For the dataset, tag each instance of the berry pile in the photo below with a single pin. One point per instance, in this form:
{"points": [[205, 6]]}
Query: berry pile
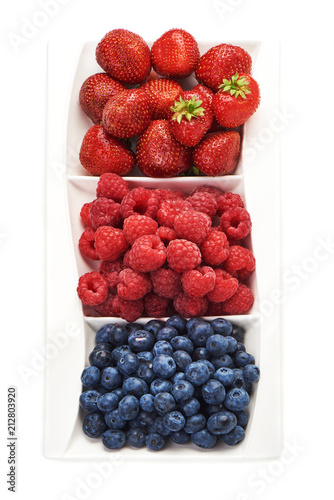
{"points": [[163, 252], [139, 95], [184, 380]]}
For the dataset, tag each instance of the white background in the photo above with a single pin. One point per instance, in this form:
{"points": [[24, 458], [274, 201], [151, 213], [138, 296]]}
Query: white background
{"points": [[303, 28]]}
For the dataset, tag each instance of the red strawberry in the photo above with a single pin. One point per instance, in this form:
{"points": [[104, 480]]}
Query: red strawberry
{"points": [[127, 113], [236, 101], [222, 61], [209, 93], [217, 153], [101, 153], [159, 154], [162, 93], [175, 54], [94, 93], [124, 55], [190, 117]]}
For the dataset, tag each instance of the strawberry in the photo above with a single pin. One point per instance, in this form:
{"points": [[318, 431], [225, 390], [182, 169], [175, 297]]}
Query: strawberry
{"points": [[222, 61], [236, 101], [159, 154], [175, 54], [125, 56], [209, 93], [127, 114], [162, 93], [101, 153], [190, 117], [217, 153], [94, 93]]}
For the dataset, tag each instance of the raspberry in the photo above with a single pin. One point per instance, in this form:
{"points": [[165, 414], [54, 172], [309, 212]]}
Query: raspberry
{"points": [[136, 201], [240, 262], [110, 242], [236, 223], [215, 248], [92, 288], [228, 200], [169, 209], [203, 202], [133, 285], [183, 255], [224, 288], [166, 282], [198, 282], [130, 310], [189, 307], [240, 302], [112, 186], [126, 259], [104, 212], [155, 306], [148, 253], [166, 234], [84, 214], [86, 244], [110, 271], [193, 226], [106, 308], [207, 189], [138, 225], [215, 309]]}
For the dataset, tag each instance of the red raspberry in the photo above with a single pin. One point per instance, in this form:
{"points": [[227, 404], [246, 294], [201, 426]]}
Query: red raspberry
{"points": [[86, 244], [133, 285], [240, 302], [84, 214], [193, 226], [110, 242], [166, 282], [189, 307], [106, 308], [130, 310], [203, 202], [126, 259], [166, 234], [207, 189], [138, 225], [215, 248], [148, 253], [112, 186], [169, 209], [236, 223], [240, 262], [110, 271], [224, 288], [183, 255], [155, 306], [228, 200], [92, 288], [215, 309], [198, 282], [104, 212], [137, 201]]}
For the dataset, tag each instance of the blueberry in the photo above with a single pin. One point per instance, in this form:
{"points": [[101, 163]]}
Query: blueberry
{"points": [[145, 357], [212, 409], [154, 325], [90, 377], [164, 402], [128, 363], [164, 366], [195, 423], [232, 344], [182, 344], [167, 333], [135, 386], [160, 385], [178, 377], [222, 422], [162, 347], [160, 427], [208, 363], [107, 402], [94, 425], [251, 359], [118, 335], [146, 419], [119, 392], [182, 360], [103, 346], [204, 439], [155, 441], [180, 437], [132, 327], [102, 335], [174, 420], [88, 400], [241, 359], [235, 436], [146, 402], [239, 381], [136, 437], [238, 333], [240, 347], [182, 391], [177, 322], [217, 345], [111, 378], [100, 358], [145, 372], [224, 360], [226, 376], [201, 353], [119, 351], [190, 407], [251, 373], [222, 326], [236, 399], [128, 407], [114, 420], [213, 392], [113, 440], [242, 418], [199, 332], [141, 340], [197, 373]]}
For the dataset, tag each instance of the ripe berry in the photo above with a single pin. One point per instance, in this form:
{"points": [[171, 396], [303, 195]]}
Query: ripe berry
{"points": [[92, 288], [148, 253], [183, 255]]}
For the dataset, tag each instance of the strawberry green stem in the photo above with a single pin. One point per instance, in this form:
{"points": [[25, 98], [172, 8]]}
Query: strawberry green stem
{"points": [[235, 86], [188, 109]]}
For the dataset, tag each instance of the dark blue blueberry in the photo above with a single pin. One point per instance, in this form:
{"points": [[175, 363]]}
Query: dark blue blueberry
{"points": [[201, 353], [119, 351], [160, 385], [208, 363], [242, 418], [241, 359], [111, 378], [103, 346], [167, 333], [164, 366], [146, 402], [226, 376], [213, 392], [141, 340], [113, 440], [107, 402], [212, 409], [190, 407], [118, 335], [182, 360], [114, 420], [160, 427], [128, 407], [224, 360], [128, 363], [145, 357], [251, 359], [232, 344], [146, 419], [177, 322], [197, 373], [174, 420], [145, 372], [135, 386], [239, 381], [180, 437], [162, 347], [204, 439], [94, 425], [136, 437], [238, 333], [155, 441], [101, 389], [180, 343], [132, 327], [183, 391], [100, 358], [154, 325], [164, 402], [251, 373], [217, 345], [88, 400], [177, 377], [102, 335], [90, 377], [222, 326], [240, 347], [236, 399], [199, 332], [119, 392], [222, 422], [235, 436], [195, 423]]}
